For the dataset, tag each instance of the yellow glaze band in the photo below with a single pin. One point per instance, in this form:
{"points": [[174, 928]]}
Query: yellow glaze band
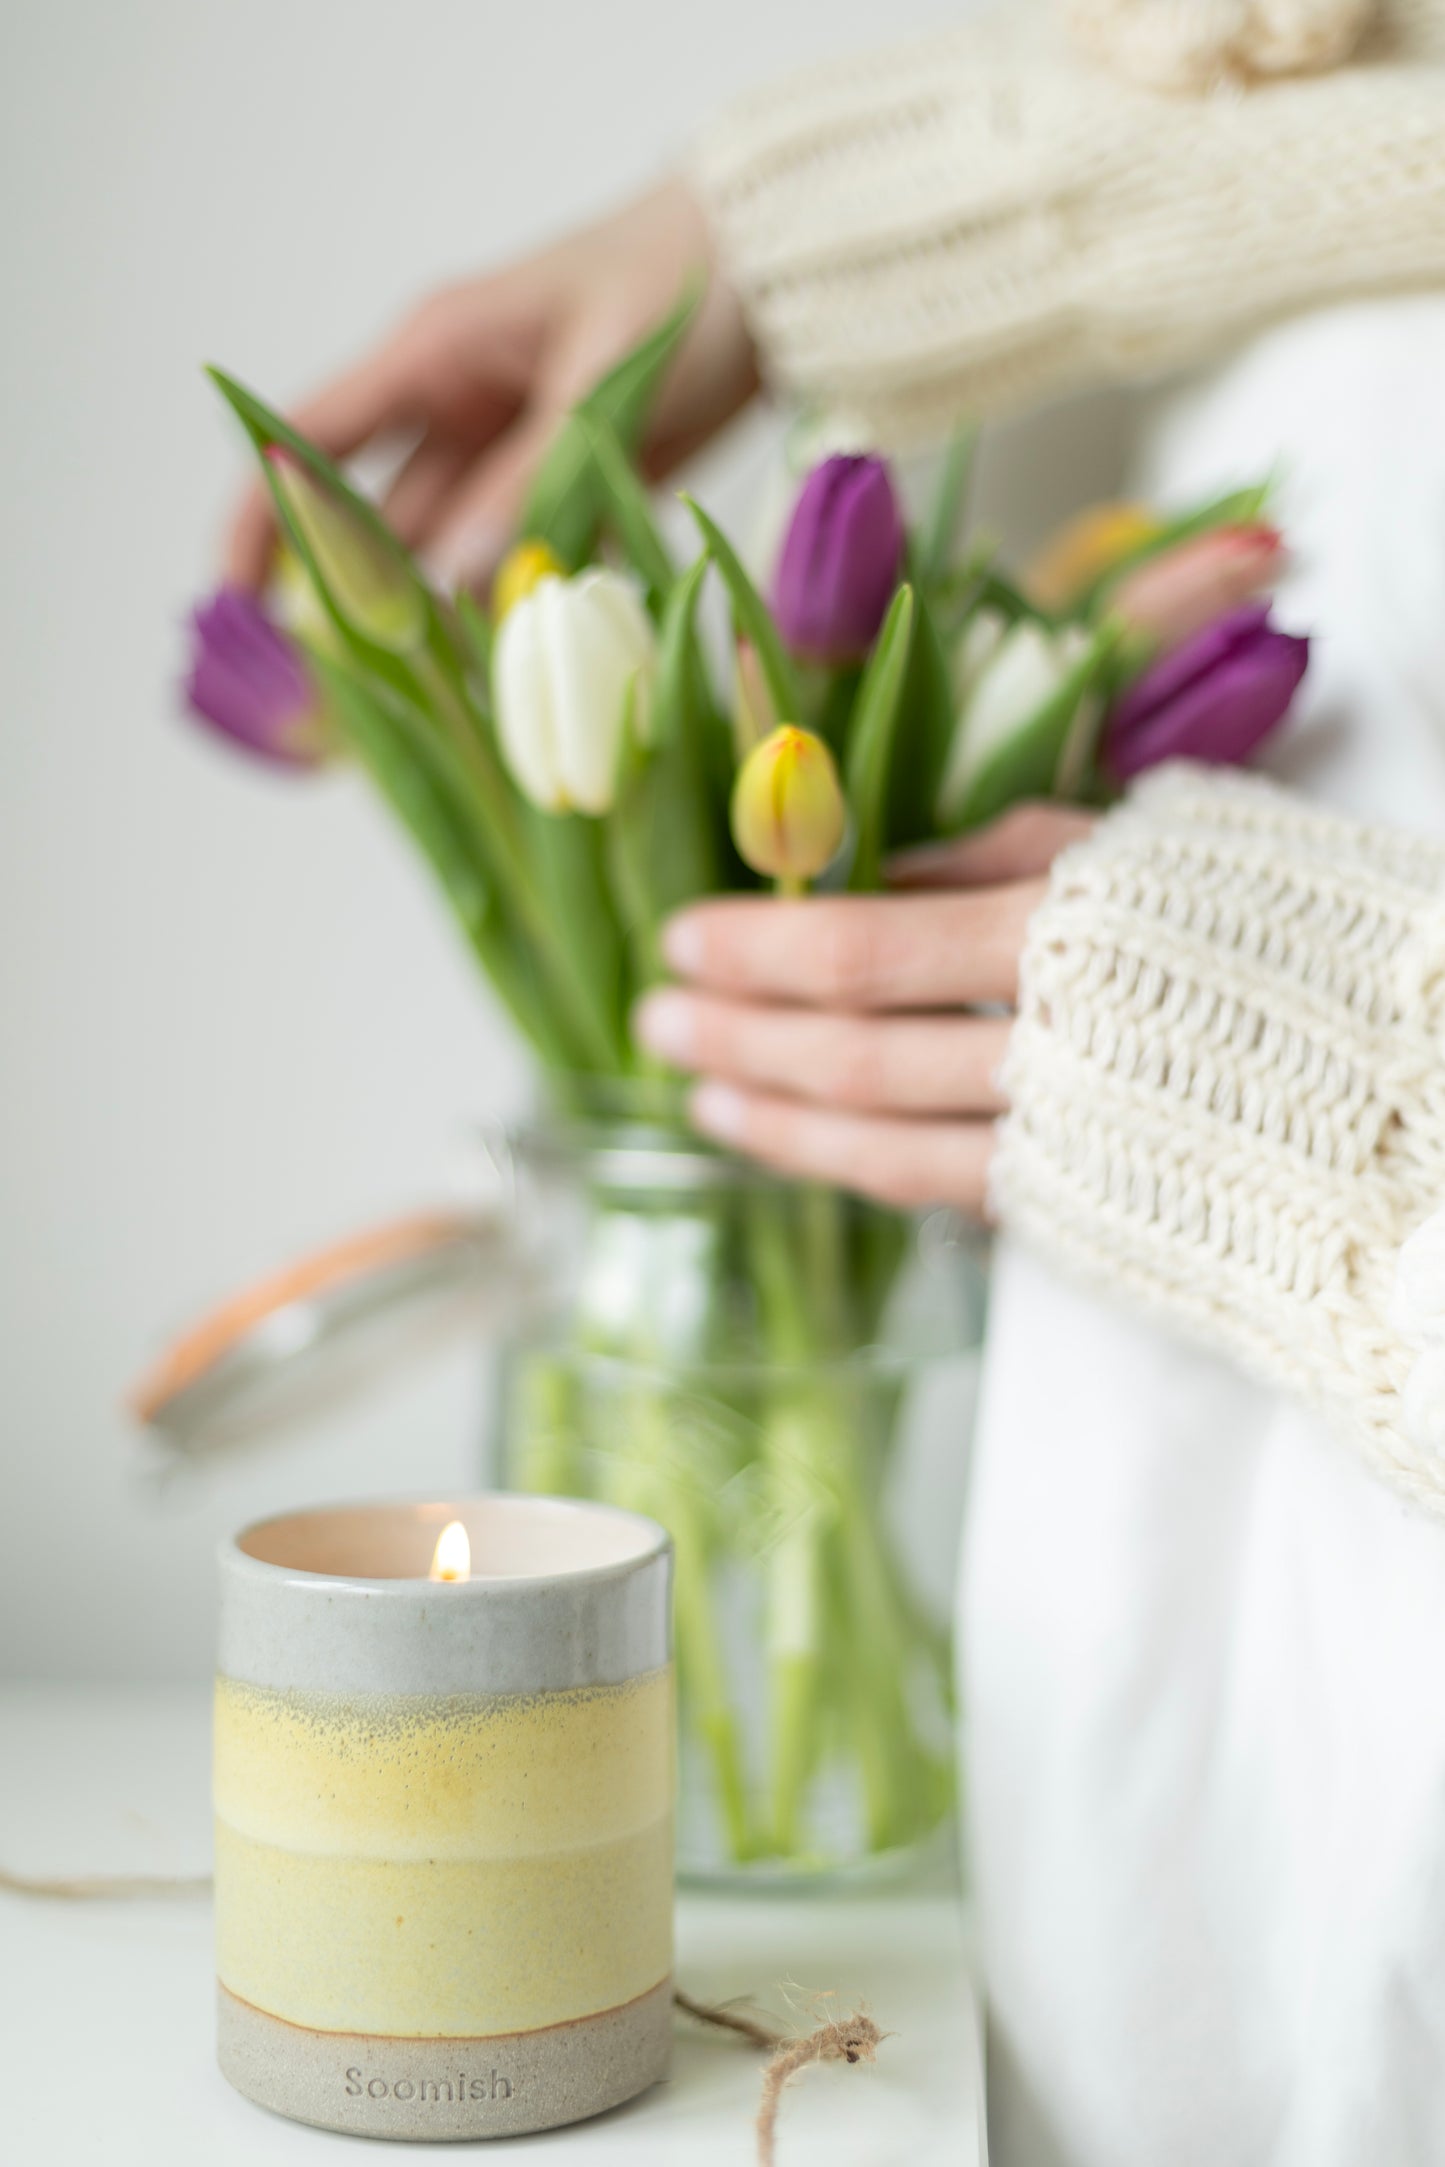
{"points": [[485, 1776], [448, 1867], [446, 1950]]}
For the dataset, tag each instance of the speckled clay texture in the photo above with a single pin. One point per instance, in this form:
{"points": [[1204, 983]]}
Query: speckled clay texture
{"points": [[445, 1819]]}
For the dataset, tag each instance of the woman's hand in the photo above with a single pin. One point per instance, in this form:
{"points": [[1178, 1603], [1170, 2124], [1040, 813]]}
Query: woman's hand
{"points": [[838, 1037], [481, 374]]}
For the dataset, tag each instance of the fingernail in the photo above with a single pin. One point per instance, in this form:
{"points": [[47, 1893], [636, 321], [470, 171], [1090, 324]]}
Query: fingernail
{"points": [[718, 1111], [682, 943], [663, 1022]]}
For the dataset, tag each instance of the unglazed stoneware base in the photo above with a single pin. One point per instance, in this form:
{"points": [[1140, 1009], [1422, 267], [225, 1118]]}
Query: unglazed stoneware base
{"points": [[443, 2090]]}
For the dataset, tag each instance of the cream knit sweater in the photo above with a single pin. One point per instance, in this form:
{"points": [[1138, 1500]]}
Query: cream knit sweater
{"points": [[1227, 1096], [1053, 198]]}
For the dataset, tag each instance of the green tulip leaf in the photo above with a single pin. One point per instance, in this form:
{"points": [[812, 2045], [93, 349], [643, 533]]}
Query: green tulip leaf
{"points": [[979, 584], [567, 855], [626, 509], [923, 736], [422, 795], [453, 738], [679, 656], [662, 831], [871, 741], [564, 504], [266, 428], [476, 627], [687, 708], [752, 620]]}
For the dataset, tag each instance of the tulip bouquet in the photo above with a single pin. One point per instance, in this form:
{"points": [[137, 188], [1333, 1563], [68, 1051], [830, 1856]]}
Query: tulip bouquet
{"points": [[574, 764]]}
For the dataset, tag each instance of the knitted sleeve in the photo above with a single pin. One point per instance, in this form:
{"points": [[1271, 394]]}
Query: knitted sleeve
{"points": [[1227, 1094], [1029, 206]]}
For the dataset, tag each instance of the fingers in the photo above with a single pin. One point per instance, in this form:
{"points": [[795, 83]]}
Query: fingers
{"points": [[899, 1162], [380, 393], [915, 1065], [858, 952], [1021, 845], [483, 514], [413, 504], [249, 540]]}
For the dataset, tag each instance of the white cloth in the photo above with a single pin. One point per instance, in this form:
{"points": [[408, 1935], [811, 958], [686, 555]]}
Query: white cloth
{"points": [[1204, 1730]]}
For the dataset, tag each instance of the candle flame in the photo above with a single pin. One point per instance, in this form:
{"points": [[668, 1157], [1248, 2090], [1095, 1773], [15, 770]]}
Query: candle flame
{"points": [[452, 1558]]}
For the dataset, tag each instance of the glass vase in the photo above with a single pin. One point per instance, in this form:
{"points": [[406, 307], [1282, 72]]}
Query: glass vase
{"points": [[784, 1376]]}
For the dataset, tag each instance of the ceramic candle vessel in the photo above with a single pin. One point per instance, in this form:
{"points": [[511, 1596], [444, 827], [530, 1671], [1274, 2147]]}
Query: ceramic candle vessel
{"points": [[444, 1816]]}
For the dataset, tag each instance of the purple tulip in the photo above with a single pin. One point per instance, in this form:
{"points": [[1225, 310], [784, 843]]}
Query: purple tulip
{"points": [[1213, 699], [840, 561], [250, 682]]}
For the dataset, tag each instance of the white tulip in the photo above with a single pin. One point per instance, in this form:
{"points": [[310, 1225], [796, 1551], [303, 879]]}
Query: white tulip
{"points": [[1003, 677], [571, 660]]}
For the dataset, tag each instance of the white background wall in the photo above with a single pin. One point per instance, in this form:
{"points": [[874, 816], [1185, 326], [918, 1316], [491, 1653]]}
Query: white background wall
{"points": [[234, 1022]]}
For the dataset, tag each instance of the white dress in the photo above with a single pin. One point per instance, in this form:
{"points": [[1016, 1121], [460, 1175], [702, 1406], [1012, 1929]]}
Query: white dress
{"points": [[1203, 1651]]}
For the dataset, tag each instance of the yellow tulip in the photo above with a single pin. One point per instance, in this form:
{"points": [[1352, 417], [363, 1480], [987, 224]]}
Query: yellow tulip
{"points": [[788, 809], [1085, 549], [524, 567]]}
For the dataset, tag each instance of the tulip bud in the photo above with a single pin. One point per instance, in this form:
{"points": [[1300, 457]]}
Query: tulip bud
{"points": [[788, 811], [248, 681], [1006, 675], [1168, 598], [1079, 555], [294, 604], [1213, 698], [840, 561], [574, 660], [524, 567], [371, 588]]}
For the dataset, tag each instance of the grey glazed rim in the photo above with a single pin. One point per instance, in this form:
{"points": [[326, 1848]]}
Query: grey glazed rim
{"points": [[234, 1560], [284, 1627]]}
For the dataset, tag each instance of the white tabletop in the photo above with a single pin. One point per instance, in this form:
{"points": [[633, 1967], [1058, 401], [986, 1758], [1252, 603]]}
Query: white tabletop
{"points": [[106, 2053]]}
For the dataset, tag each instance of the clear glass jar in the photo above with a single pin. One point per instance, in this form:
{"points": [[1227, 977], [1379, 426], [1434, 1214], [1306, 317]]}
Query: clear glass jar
{"points": [[785, 1377]]}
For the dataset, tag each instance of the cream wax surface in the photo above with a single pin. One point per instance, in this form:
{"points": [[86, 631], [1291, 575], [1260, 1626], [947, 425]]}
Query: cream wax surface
{"points": [[443, 1866]]}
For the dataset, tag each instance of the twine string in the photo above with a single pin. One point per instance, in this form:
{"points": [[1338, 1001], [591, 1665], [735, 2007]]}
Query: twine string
{"points": [[849, 2039]]}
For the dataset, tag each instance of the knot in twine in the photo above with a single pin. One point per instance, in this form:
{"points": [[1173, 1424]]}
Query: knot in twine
{"points": [[851, 2039], [1197, 45]]}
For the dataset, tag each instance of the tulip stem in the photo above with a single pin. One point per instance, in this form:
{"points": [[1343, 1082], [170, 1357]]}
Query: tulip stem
{"points": [[600, 1049], [645, 1478]]}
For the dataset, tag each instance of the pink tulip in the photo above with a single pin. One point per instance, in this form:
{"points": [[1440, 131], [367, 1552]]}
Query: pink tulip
{"points": [[1168, 598]]}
